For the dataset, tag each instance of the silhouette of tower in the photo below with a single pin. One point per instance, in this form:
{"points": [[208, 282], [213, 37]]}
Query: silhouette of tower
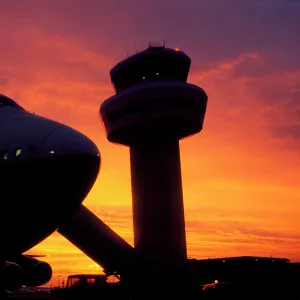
{"points": [[154, 107]]}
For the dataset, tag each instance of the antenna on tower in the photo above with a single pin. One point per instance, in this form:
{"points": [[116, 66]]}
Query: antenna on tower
{"points": [[156, 44], [127, 53]]}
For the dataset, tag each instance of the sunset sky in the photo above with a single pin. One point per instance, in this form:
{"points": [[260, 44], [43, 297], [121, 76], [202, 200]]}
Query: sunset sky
{"points": [[241, 174]]}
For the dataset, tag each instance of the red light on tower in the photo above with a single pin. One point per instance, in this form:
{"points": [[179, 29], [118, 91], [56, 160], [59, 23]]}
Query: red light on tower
{"points": [[176, 49]]}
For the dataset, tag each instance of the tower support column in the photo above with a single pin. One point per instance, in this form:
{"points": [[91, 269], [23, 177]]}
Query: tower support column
{"points": [[158, 213]]}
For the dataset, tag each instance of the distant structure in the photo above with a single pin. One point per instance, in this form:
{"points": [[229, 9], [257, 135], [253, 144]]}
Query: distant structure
{"points": [[154, 107]]}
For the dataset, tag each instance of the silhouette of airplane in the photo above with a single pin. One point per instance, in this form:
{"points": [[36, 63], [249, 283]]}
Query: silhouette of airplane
{"points": [[46, 170]]}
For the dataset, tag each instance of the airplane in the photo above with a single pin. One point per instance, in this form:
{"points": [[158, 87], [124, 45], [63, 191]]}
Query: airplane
{"points": [[46, 171]]}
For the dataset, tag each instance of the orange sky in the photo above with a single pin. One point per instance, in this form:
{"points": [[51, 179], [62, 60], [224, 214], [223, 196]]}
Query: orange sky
{"points": [[240, 174]]}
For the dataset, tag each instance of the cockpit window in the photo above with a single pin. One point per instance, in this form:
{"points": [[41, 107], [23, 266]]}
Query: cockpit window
{"points": [[3, 155], [5, 101], [18, 152]]}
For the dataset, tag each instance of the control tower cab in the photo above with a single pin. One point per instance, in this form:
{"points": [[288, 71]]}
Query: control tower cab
{"points": [[154, 63], [151, 89], [154, 107]]}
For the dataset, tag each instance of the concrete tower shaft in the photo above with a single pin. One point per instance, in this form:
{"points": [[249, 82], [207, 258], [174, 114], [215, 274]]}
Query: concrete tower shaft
{"points": [[152, 110]]}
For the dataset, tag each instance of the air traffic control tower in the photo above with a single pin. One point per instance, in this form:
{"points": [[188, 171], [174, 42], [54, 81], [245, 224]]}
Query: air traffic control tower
{"points": [[154, 107]]}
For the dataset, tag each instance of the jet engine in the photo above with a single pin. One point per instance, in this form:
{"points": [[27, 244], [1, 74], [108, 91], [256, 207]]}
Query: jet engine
{"points": [[36, 272], [11, 277]]}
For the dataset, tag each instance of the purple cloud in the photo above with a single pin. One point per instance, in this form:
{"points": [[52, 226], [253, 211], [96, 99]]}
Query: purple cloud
{"points": [[208, 31]]}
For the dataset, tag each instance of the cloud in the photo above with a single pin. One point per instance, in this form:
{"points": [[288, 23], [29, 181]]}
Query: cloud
{"points": [[285, 131], [76, 51], [265, 105], [53, 76], [279, 103], [235, 234], [198, 27]]}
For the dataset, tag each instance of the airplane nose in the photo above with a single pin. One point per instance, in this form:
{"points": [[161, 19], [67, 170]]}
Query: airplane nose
{"points": [[51, 187], [67, 141], [75, 161]]}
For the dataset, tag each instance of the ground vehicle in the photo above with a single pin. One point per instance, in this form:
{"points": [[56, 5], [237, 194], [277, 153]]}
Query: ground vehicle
{"points": [[91, 286]]}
